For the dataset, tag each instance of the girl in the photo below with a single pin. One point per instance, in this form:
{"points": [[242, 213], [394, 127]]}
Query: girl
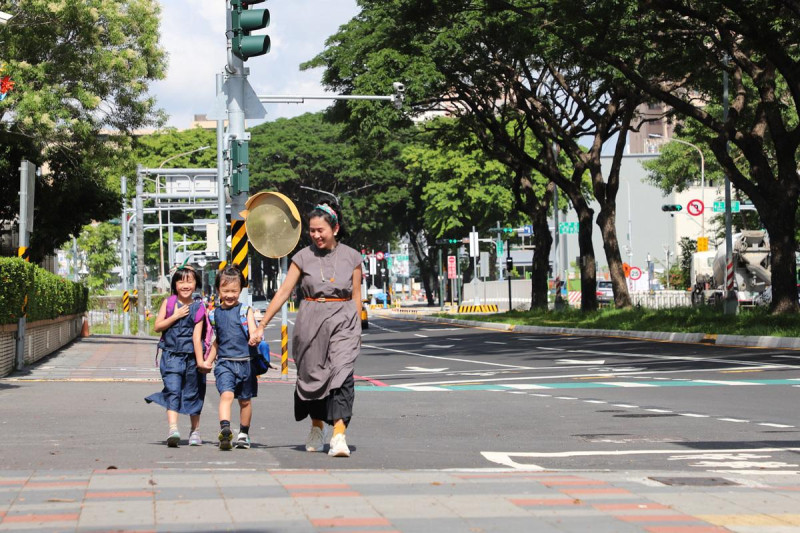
{"points": [[233, 372], [182, 368], [327, 335]]}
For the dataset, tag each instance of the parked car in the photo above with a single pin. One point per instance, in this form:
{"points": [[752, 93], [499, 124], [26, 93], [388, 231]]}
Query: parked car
{"points": [[605, 293]]}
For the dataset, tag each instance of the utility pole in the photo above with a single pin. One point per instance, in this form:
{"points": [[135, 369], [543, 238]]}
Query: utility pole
{"points": [[140, 270], [126, 317]]}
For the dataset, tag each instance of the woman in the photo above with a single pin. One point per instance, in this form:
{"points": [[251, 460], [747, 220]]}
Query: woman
{"points": [[327, 334]]}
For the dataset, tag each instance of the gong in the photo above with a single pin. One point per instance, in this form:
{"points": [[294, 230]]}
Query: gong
{"points": [[272, 223]]}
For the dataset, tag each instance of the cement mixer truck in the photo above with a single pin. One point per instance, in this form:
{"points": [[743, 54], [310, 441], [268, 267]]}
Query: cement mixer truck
{"points": [[751, 270]]}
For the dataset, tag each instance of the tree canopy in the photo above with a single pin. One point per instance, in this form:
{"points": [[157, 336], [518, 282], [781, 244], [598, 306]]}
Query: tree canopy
{"points": [[81, 70]]}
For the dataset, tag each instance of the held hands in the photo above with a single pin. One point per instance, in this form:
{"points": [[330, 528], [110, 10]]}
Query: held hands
{"points": [[256, 336], [205, 366]]}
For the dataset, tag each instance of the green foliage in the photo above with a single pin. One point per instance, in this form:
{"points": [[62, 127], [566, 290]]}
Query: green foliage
{"points": [[461, 186], [43, 294], [82, 70], [99, 243]]}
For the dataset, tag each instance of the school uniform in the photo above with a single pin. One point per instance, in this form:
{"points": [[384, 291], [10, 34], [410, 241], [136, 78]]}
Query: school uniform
{"points": [[184, 387], [233, 368]]}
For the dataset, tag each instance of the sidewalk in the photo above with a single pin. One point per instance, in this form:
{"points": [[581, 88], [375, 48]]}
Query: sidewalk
{"points": [[385, 501]]}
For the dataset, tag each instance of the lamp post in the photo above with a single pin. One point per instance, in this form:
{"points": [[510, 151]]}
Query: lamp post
{"points": [[702, 178], [162, 274]]}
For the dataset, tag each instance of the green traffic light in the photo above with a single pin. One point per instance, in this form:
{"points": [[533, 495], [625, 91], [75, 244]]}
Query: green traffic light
{"points": [[671, 207]]}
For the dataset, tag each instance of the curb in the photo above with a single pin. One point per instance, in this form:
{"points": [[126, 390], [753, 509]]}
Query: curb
{"points": [[789, 343]]}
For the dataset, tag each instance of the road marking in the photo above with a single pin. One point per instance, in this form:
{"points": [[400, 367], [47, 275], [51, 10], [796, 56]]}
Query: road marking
{"points": [[438, 346], [507, 458], [626, 405], [659, 410], [495, 342], [694, 415], [595, 401], [420, 335], [771, 425], [738, 420], [625, 384], [423, 369], [580, 362], [442, 358]]}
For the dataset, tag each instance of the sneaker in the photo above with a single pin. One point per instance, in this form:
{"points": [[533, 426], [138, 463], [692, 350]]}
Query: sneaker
{"points": [[339, 446], [173, 439], [225, 438], [243, 441], [194, 439], [315, 441]]}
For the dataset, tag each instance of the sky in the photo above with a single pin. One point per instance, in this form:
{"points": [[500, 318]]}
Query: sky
{"points": [[193, 34]]}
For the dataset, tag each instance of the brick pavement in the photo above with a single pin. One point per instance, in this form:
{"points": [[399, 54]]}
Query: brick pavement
{"points": [[389, 500]]}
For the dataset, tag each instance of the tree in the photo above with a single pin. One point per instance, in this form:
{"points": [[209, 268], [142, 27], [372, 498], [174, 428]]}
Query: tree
{"points": [[81, 70], [99, 242], [686, 55], [516, 85]]}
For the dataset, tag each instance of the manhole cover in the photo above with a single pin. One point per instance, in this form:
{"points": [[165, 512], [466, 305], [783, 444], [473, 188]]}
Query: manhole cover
{"points": [[694, 481]]}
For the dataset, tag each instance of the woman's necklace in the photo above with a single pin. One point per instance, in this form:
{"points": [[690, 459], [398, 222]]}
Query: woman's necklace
{"points": [[322, 258]]}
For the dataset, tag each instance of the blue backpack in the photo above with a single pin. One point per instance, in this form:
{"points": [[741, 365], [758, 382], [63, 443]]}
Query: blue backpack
{"points": [[259, 355]]}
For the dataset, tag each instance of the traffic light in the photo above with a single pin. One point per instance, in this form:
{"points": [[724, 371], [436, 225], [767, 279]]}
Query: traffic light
{"points": [[240, 159], [453, 241], [671, 207], [243, 21], [501, 230]]}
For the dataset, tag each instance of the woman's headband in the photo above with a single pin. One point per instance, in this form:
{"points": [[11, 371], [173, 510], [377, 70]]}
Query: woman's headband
{"points": [[327, 209]]}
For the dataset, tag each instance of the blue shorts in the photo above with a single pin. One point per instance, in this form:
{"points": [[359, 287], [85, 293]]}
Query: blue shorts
{"points": [[184, 387], [236, 376]]}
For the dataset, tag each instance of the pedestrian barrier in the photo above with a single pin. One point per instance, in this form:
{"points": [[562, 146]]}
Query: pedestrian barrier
{"points": [[491, 308]]}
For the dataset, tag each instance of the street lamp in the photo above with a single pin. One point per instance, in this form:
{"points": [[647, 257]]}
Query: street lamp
{"points": [[160, 231], [702, 177]]}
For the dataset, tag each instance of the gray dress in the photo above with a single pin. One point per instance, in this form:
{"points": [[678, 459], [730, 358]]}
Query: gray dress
{"points": [[327, 335]]}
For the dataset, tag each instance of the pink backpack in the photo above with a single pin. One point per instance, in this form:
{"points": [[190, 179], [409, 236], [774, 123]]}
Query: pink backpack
{"points": [[200, 314]]}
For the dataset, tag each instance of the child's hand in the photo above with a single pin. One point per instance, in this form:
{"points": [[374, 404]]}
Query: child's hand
{"points": [[205, 367], [256, 336], [181, 312]]}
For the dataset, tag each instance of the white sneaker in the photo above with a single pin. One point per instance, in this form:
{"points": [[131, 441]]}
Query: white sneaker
{"points": [[339, 446], [315, 441]]}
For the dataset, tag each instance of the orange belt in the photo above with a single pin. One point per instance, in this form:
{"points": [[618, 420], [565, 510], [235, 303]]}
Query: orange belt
{"points": [[323, 300]]}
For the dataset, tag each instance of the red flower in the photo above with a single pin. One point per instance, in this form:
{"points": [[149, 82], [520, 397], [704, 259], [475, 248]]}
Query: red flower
{"points": [[6, 84]]}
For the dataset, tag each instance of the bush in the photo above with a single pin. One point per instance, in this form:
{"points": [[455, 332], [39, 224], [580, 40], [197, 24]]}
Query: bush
{"points": [[43, 294]]}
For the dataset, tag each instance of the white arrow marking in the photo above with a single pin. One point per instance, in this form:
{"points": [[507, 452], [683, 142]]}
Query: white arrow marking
{"points": [[581, 362]]}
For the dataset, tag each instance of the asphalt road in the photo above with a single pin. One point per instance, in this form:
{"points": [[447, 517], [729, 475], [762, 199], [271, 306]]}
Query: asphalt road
{"points": [[431, 396]]}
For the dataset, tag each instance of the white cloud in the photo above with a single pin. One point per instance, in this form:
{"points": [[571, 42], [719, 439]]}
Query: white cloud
{"points": [[193, 33]]}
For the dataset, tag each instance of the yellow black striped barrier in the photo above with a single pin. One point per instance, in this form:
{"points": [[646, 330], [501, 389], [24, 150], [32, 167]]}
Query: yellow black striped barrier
{"points": [[126, 301], [490, 308], [25, 253], [284, 352], [239, 247]]}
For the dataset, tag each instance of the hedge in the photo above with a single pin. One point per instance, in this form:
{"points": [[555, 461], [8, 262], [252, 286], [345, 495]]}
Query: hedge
{"points": [[47, 295]]}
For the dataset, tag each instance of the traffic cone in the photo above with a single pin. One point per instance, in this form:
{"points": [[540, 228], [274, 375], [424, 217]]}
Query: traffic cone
{"points": [[85, 328]]}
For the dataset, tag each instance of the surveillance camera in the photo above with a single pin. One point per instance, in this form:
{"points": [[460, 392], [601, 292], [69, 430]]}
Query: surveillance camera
{"points": [[398, 87], [5, 17]]}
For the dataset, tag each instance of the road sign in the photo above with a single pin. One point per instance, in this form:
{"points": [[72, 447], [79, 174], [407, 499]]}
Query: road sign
{"points": [[702, 244], [379, 256], [567, 227], [719, 207], [636, 273], [695, 207], [451, 267], [525, 230], [474, 250]]}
